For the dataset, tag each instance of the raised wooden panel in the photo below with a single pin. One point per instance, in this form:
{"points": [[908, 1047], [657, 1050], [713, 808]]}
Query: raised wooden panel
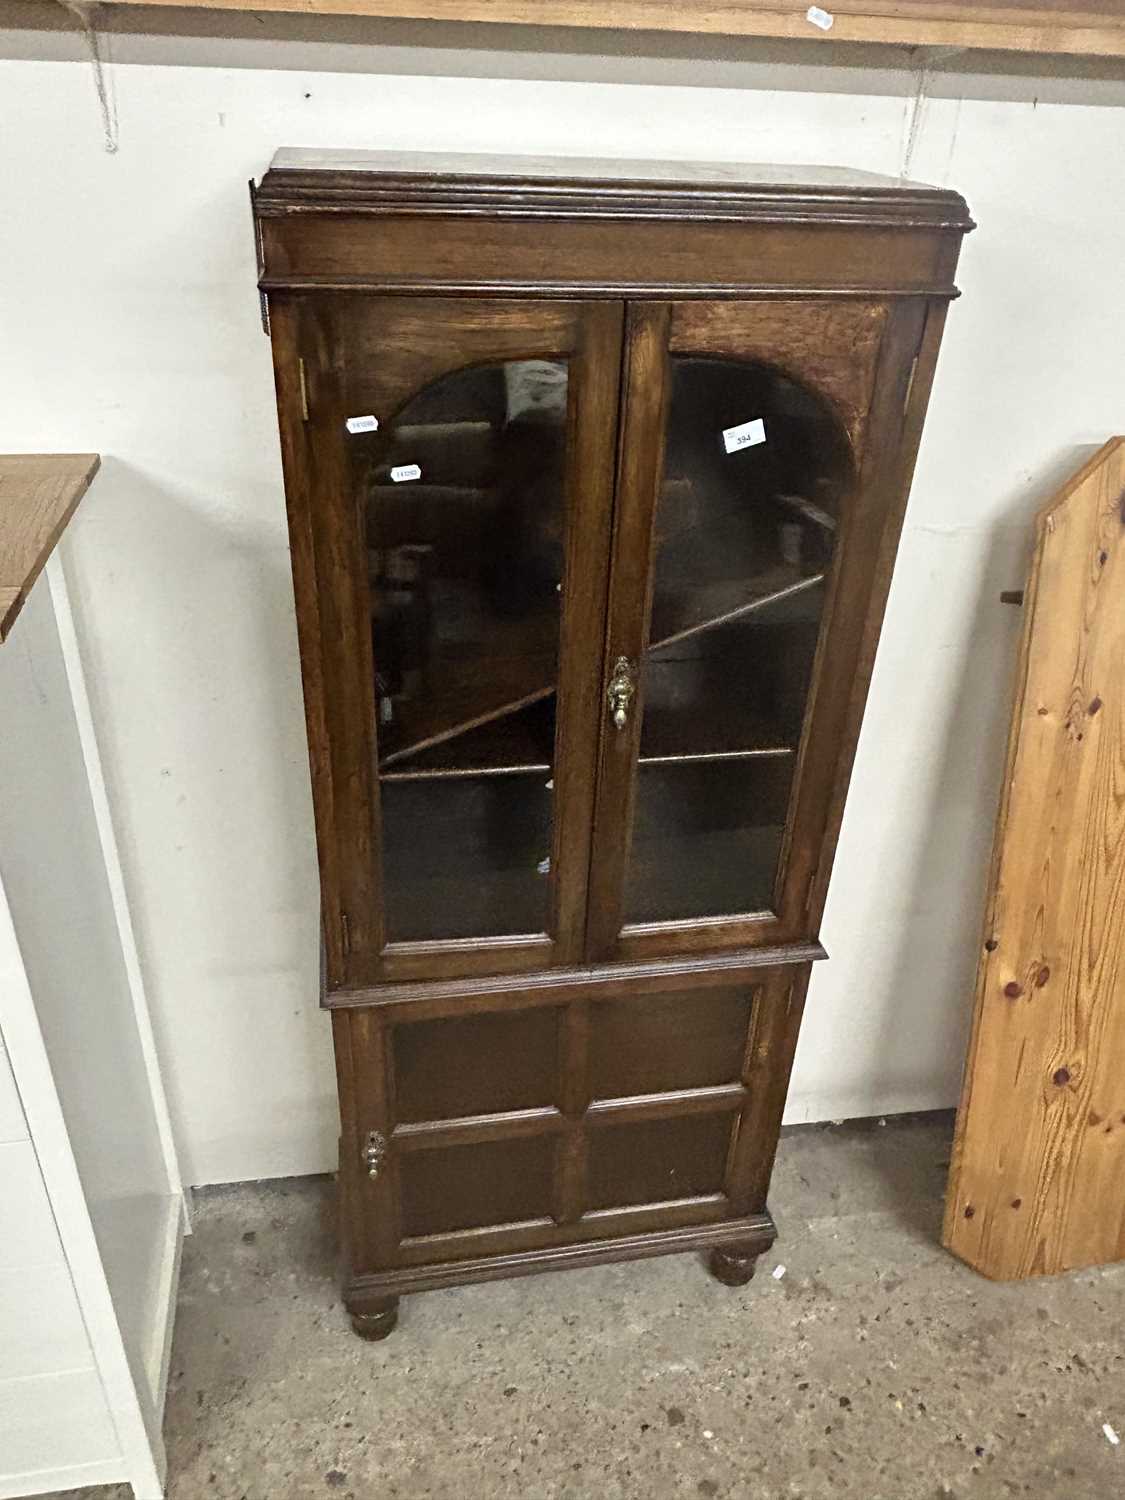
{"points": [[655, 1161], [653, 1043], [467, 1187], [475, 1065]]}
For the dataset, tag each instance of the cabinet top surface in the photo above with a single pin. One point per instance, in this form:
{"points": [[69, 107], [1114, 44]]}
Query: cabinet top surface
{"points": [[391, 181], [38, 495]]}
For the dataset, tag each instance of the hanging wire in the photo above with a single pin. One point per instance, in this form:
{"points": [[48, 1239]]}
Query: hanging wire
{"points": [[923, 58], [85, 11]]}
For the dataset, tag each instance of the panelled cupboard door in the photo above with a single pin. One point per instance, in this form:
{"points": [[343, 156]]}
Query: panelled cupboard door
{"points": [[741, 487], [459, 472], [521, 1123]]}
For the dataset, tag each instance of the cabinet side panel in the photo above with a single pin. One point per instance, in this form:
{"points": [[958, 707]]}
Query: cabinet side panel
{"points": [[854, 610], [902, 392], [771, 1047], [284, 325]]}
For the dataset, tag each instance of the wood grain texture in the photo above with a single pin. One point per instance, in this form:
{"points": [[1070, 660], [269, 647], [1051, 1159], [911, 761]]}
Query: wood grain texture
{"points": [[38, 496], [1095, 28], [832, 347], [582, 1092], [462, 253], [1037, 1184], [449, 184]]}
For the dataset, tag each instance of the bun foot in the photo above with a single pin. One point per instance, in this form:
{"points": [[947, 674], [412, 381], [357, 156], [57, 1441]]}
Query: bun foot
{"points": [[376, 1322], [732, 1265]]}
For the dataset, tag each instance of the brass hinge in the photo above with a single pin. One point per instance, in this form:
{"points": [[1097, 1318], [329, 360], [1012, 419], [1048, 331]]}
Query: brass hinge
{"points": [[812, 881], [345, 935], [264, 310], [304, 389]]}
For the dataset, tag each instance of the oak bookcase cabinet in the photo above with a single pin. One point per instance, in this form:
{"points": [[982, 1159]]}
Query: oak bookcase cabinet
{"points": [[595, 474]]}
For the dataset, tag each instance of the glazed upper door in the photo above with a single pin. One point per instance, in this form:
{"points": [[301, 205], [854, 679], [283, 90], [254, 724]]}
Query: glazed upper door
{"points": [[744, 426], [464, 456]]}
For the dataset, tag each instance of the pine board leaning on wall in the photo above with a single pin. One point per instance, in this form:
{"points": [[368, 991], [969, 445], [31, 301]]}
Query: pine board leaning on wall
{"points": [[1037, 1184]]}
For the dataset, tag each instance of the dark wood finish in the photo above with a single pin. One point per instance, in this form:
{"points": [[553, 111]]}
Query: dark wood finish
{"points": [[640, 462], [830, 346], [377, 1320], [833, 350], [574, 1253], [604, 1086], [733, 1265], [462, 255], [315, 180], [326, 367], [595, 981]]}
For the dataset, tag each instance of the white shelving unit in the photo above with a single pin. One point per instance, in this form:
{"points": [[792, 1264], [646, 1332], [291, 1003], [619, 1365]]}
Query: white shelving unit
{"points": [[92, 1213]]}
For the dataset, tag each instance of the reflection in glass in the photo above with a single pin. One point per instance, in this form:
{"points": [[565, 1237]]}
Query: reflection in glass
{"points": [[744, 538], [462, 494]]}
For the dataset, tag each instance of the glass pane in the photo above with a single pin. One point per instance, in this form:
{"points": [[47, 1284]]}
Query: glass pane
{"points": [[755, 470], [463, 512]]}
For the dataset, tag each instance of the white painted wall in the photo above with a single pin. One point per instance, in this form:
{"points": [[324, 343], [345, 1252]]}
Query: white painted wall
{"points": [[130, 327]]}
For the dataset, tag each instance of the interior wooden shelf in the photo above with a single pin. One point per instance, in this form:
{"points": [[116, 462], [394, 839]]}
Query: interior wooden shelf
{"points": [[423, 745], [518, 743], [1087, 28], [736, 733], [678, 617]]}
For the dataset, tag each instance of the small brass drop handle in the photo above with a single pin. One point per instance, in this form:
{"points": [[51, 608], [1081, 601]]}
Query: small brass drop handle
{"points": [[621, 691], [374, 1152]]}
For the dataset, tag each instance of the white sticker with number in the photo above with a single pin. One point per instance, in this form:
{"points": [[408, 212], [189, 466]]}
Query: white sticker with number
{"points": [[402, 472], [746, 436], [362, 424]]}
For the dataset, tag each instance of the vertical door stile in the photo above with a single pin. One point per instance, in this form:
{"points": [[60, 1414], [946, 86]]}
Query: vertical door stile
{"points": [[374, 1166], [357, 922], [639, 464], [592, 448], [574, 1100]]}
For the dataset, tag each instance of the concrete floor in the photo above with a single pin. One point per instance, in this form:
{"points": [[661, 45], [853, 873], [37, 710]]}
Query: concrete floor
{"points": [[877, 1367]]}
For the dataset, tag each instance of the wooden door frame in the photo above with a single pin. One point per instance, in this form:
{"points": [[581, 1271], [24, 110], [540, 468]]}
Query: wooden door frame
{"points": [[880, 402], [331, 594]]}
